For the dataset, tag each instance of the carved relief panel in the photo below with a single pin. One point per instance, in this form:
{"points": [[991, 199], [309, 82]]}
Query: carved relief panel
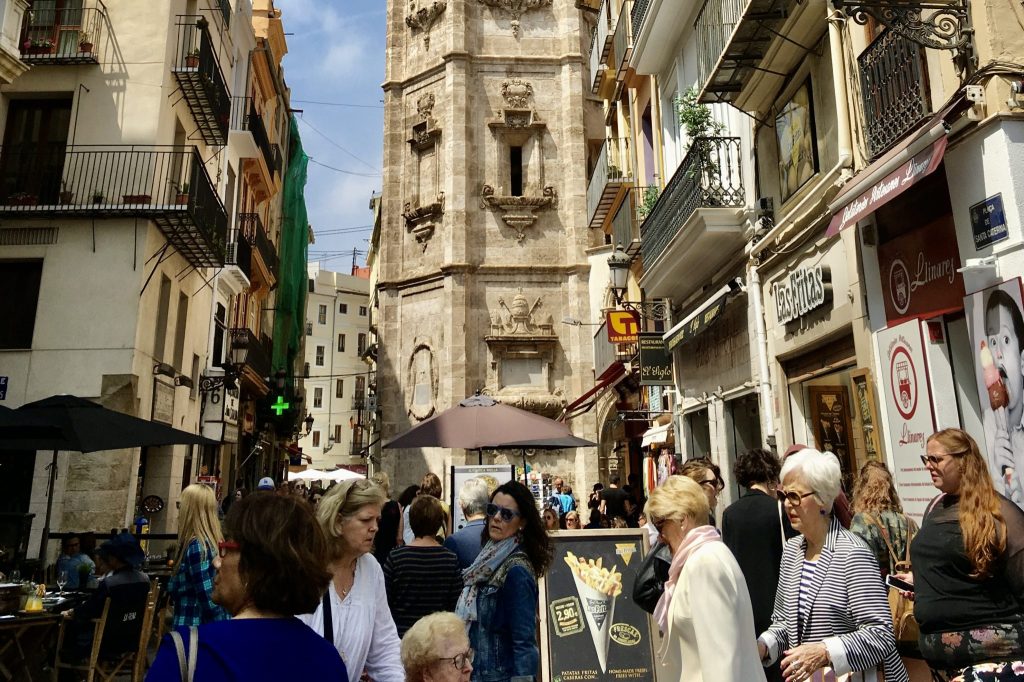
{"points": [[421, 380], [515, 9], [422, 17], [425, 206]]}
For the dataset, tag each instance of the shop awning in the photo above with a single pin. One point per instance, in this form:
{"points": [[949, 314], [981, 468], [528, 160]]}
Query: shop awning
{"points": [[699, 320], [896, 171], [612, 375], [656, 435]]}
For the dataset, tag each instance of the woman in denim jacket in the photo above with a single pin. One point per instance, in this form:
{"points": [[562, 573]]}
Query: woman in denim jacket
{"points": [[499, 601]]}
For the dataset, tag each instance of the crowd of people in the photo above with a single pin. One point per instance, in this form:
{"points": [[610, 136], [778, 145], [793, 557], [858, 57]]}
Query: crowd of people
{"points": [[789, 582]]}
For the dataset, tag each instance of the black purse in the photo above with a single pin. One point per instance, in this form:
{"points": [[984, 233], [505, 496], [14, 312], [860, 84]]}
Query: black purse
{"points": [[651, 576]]}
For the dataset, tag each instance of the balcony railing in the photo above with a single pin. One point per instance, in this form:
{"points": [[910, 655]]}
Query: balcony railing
{"points": [[355, 449], [240, 110], [197, 69], [895, 89], [66, 35], [166, 184], [638, 15], [709, 177], [631, 213], [252, 226], [225, 10], [613, 172], [605, 352], [258, 356], [713, 28], [259, 133], [239, 253], [622, 41], [358, 402], [600, 45]]}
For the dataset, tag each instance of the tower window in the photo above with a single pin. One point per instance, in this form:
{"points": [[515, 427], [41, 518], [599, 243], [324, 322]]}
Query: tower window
{"points": [[515, 158]]}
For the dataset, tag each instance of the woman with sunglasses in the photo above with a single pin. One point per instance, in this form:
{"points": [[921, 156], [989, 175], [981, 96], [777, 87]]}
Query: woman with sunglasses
{"points": [[353, 614], [709, 476], [499, 600], [831, 609], [704, 611], [968, 568], [269, 569], [436, 649]]}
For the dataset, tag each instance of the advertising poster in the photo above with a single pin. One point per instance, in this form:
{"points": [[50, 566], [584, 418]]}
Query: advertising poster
{"points": [[908, 406], [996, 327], [494, 474], [590, 627]]}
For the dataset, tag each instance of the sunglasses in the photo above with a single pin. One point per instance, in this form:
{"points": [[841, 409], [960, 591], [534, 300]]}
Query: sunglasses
{"points": [[936, 460], [794, 498], [461, 661], [505, 513], [716, 483], [225, 546]]}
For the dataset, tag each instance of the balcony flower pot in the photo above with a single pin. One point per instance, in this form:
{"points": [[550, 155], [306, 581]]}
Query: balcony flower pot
{"points": [[136, 198], [192, 59], [67, 197], [97, 197], [22, 199], [181, 198], [85, 48]]}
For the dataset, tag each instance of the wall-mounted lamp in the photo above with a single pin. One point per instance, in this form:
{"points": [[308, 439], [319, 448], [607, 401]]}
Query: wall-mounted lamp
{"points": [[618, 274], [163, 369], [182, 380]]}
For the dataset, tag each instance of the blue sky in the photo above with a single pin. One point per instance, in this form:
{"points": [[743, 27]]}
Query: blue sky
{"points": [[336, 57]]}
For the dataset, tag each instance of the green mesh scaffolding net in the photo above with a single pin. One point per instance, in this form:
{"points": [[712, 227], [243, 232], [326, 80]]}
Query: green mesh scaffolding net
{"points": [[290, 320]]}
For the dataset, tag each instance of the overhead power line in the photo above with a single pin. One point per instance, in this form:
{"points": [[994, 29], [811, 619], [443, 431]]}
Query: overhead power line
{"points": [[331, 104], [341, 170], [339, 146]]}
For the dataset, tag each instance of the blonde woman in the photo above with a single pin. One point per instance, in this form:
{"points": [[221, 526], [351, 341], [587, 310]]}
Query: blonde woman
{"points": [[353, 614], [191, 587]]}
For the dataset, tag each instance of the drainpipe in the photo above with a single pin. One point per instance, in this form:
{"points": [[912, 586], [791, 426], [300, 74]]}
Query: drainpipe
{"points": [[836, 22], [761, 339]]}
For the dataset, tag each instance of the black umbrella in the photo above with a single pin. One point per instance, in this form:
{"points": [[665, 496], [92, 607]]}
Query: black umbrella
{"points": [[73, 423]]}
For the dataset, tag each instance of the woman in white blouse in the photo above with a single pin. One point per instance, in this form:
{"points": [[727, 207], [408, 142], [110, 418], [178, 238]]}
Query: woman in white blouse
{"points": [[357, 618]]}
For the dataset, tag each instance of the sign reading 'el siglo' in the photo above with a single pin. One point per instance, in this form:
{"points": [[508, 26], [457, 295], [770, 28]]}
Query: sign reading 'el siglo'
{"points": [[623, 326], [806, 289], [655, 361]]}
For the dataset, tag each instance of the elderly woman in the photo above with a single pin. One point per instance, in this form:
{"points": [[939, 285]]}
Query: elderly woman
{"points": [[704, 611], [270, 568], [878, 517], [353, 614], [968, 563], [191, 586], [831, 609], [436, 649], [499, 601]]}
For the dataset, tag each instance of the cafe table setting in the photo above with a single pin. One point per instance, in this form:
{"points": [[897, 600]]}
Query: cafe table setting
{"points": [[29, 620]]}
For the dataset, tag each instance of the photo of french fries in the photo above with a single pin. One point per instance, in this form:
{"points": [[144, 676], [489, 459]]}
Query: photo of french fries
{"points": [[594, 575]]}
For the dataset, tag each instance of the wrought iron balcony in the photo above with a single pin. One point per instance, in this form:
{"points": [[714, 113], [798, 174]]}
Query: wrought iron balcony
{"points": [[63, 35], [225, 10], [894, 86], [722, 65], [259, 133], [239, 253], [359, 402], [600, 45], [168, 185], [709, 177], [622, 41], [632, 212], [197, 70], [252, 226], [257, 357], [612, 178], [638, 15]]}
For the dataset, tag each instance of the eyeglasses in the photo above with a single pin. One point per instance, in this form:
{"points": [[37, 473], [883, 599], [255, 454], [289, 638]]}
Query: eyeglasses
{"points": [[460, 661], [225, 546], [716, 483], [936, 460], [793, 497], [659, 524], [505, 513]]}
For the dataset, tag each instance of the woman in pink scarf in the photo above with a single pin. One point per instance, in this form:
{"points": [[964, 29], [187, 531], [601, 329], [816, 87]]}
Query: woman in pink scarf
{"points": [[705, 612]]}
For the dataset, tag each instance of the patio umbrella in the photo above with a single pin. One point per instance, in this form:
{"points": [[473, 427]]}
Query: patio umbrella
{"points": [[83, 426], [307, 475], [342, 475], [482, 423]]}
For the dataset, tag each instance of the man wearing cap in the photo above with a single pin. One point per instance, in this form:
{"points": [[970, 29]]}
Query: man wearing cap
{"points": [[127, 588], [266, 483]]}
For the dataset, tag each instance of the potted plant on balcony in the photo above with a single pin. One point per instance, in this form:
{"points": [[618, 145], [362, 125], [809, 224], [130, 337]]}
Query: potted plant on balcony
{"points": [[192, 58], [136, 198], [182, 196], [97, 196], [38, 46], [66, 197], [85, 42], [699, 125], [22, 199]]}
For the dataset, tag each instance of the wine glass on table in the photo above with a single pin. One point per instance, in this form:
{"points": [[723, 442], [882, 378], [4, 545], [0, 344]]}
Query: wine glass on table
{"points": [[62, 580]]}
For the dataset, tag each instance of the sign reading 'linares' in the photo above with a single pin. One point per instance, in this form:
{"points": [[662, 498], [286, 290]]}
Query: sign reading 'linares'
{"points": [[804, 291]]}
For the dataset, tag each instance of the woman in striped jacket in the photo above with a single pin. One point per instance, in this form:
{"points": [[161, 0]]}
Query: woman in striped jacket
{"points": [[831, 610]]}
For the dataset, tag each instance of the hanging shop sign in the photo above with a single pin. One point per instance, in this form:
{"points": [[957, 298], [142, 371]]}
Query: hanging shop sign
{"points": [[655, 361], [919, 272], [988, 222], [908, 402], [807, 288], [623, 326], [591, 629], [697, 322]]}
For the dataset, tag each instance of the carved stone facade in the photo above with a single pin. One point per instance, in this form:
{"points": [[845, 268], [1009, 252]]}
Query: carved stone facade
{"points": [[484, 229]]}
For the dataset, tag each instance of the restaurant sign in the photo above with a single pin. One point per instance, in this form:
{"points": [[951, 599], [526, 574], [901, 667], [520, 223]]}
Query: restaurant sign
{"points": [[920, 272], [655, 361], [806, 289]]}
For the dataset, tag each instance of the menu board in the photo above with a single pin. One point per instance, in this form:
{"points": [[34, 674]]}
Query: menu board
{"points": [[591, 629]]}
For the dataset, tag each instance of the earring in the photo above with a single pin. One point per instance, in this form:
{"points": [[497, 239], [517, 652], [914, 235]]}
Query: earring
{"points": [[822, 512]]}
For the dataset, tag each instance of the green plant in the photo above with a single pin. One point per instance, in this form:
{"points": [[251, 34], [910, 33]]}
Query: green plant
{"points": [[698, 124], [647, 202], [97, 196], [194, 52]]}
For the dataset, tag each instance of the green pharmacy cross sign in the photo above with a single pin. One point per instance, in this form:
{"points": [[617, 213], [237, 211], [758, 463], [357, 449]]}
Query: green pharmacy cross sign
{"points": [[280, 406]]}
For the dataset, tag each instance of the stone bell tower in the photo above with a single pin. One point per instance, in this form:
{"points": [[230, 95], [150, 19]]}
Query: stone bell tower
{"points": [[484, 236]]}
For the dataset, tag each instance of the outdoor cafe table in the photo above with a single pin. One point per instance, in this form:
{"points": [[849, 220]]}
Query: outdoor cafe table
{"points": [[27, 639]]}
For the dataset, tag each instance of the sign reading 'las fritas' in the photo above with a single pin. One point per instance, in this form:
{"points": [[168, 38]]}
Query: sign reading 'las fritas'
{"points": [[805, 289], [623, 326]]}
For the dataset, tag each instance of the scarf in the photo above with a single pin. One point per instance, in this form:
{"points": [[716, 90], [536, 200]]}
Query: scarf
{"points": [[491, 557], [696, 538]]}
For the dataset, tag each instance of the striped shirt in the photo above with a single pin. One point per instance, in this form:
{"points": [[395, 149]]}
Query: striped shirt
{"points": [[420, 581], [805, 598]]}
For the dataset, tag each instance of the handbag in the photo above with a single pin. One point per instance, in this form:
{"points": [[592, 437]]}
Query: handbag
{"points": [[904, 625], [651, 576], [186, 663]]}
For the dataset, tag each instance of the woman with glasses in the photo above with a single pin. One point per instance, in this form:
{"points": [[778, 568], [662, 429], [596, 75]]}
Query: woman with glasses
{"points": [[831, 609], [269, 569], [704, 611], [709, 476], [191, 587], [499, 601], [436, 649], [968, 568], [572, 520], [354, 613]]}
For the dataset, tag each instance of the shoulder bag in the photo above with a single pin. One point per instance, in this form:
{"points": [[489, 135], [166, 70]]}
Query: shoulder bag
{"points": [[904, 625], [186, 662], [651, 576]]}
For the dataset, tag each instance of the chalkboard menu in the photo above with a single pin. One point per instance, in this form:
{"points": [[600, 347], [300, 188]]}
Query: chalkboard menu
{"points": [[590, 627]]}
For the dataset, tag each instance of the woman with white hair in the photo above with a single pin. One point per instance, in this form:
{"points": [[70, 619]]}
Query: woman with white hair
{"points": [[436, 649], [831, 610], [705, 611]]}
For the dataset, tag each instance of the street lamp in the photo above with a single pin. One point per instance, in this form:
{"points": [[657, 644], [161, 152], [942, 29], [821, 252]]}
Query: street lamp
{"points": [[618, 271], [237, 356]]}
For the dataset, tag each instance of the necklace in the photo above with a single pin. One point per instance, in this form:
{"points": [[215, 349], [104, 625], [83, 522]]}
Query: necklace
{"points": [[343, 591]]}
